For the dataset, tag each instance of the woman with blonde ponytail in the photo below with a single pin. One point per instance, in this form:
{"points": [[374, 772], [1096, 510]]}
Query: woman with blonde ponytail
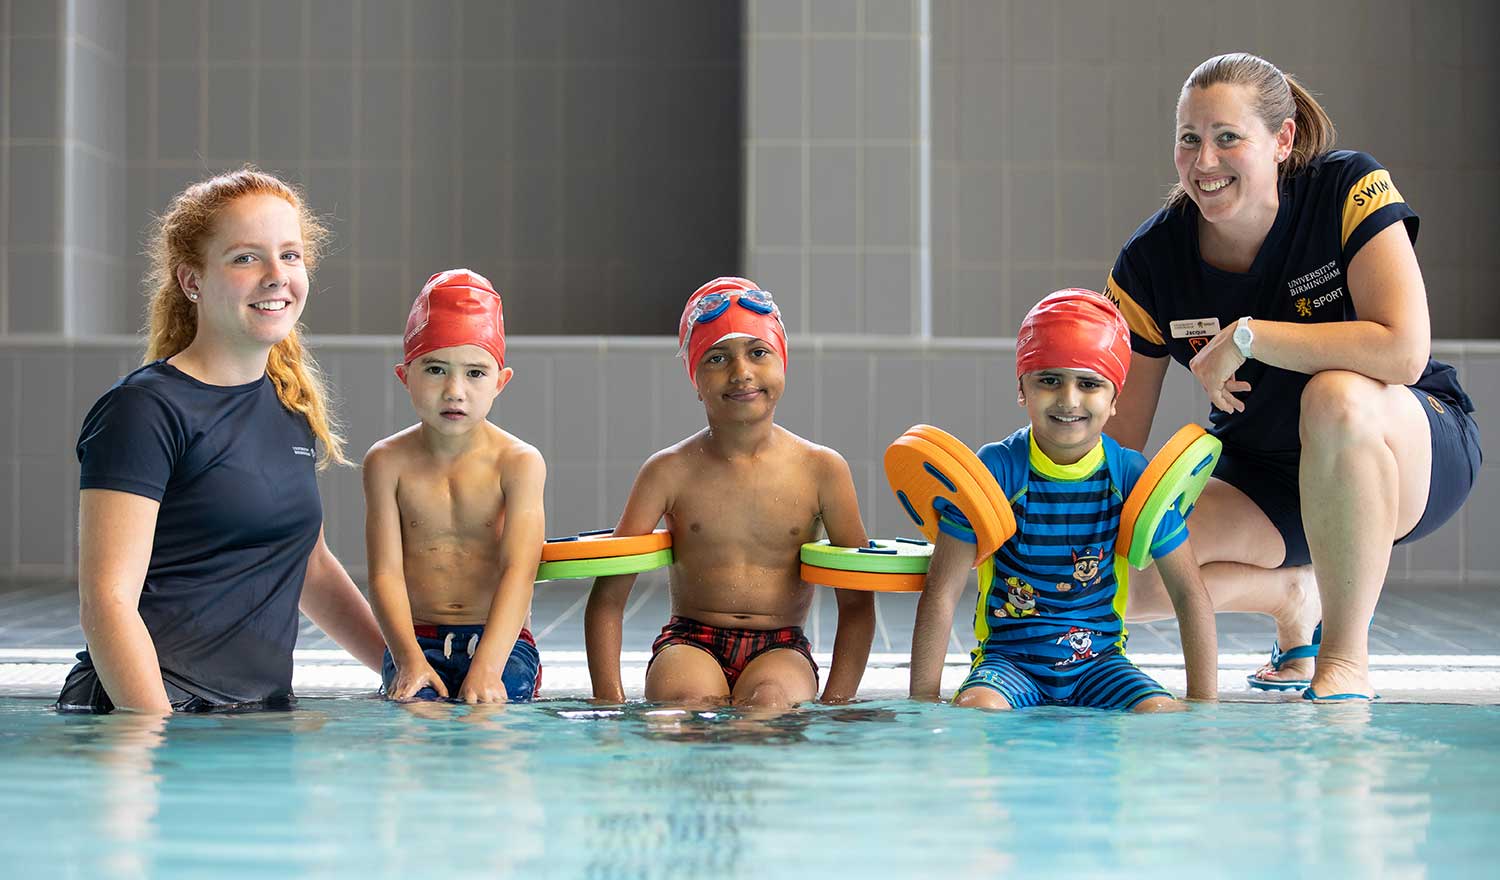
{"points": [[1282, 274], [200, 526]]}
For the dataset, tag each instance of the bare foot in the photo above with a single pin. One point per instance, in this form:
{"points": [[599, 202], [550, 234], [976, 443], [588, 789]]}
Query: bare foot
{"points": [[1295, 622], [1338, 676]]}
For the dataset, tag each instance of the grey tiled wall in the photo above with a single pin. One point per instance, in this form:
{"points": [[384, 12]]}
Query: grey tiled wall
{"points": [[835, 183], [589, 155], [551, 144], [585, 156], [62, 159], [1052, 134], [597, 407]]}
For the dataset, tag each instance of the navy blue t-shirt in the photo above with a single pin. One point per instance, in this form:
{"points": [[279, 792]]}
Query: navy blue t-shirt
{"points": [[1175, 303], [235, 472]]}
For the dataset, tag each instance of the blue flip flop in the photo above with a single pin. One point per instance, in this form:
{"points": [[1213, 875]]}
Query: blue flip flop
{"points": [[1280, 658], [1310, 694]]}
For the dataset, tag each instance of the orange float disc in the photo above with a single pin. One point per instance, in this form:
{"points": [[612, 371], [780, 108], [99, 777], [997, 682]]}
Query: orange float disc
{"points": [[602, 545], [926, 479], [924, 476], [863, 580], [976, 468]]}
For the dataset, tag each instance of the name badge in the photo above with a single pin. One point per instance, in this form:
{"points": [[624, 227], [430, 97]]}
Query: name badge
{"points": [[1195, 328]]}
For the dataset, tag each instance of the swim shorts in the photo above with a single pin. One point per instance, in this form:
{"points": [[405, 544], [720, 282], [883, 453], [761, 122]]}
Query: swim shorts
{"points": [[1270, 478], [1109, 681], [733, 648], [450, 651]]}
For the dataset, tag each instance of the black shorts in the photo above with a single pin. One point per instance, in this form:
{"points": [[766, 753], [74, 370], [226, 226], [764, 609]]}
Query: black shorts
{"points": [[1270, 478]]}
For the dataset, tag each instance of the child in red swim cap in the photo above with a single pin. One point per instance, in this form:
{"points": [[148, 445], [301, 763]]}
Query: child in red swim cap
{"points": [[1072, 338], [726, 308], [1075, 329], [740, 497], [1067, 483], [454, 516]]}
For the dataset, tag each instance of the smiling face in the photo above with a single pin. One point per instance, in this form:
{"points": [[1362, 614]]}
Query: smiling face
{"points": [[1227, 158], [251, 286], [1068, 410], [740, 380], [452, 389]]}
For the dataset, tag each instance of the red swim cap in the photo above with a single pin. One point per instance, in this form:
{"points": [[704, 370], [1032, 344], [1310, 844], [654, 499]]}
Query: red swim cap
{"points": [[1074, 329], [455, 307], [746, 311]]}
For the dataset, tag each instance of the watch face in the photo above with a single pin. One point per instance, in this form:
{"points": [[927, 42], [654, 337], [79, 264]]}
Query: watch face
{"points": [[1242, 338]]}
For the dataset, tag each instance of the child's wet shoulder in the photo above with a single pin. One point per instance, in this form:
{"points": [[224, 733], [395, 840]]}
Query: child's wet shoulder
{"points": [[509, 446], [817, 456], [390, 449], [683, 453]]}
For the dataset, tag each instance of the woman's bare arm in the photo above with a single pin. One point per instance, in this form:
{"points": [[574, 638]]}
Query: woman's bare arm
{"points": [[332, 601], [1136, 407], [115, 535], [1390, 342]]}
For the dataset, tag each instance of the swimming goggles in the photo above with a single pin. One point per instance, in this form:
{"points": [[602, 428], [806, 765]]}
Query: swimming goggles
{"points": [[713, 306]]}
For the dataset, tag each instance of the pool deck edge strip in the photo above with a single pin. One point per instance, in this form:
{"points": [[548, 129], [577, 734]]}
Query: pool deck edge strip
{"points": [[337, 657], [571, 681]]}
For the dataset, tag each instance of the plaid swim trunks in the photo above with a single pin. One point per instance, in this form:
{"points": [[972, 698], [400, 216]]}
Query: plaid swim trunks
{"points": [[733, 648]]}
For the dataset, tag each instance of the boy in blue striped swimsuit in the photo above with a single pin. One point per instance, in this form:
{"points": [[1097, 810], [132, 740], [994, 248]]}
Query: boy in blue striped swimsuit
{"points": [[1050, 617]]}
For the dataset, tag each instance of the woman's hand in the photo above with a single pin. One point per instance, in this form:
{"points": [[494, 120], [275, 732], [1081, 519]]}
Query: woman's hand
{"points": [[1214, 366]]}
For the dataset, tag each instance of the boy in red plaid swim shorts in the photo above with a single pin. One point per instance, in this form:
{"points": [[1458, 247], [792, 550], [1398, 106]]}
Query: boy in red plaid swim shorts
{"points": [[740, 497]]}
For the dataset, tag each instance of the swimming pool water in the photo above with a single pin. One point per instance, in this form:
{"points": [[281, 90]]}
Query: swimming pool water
{"points": [[355, 786]]}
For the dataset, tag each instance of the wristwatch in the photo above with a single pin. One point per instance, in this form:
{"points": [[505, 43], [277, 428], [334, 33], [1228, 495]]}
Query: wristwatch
{"points": [[1243, 336]]}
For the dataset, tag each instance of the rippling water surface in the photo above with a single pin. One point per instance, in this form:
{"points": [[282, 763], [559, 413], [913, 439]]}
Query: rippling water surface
{"points": [[892, 788]]}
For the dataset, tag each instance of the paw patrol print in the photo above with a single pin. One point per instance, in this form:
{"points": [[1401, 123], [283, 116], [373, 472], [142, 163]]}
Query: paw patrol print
{"points": [[1086, 566], [1081, 642], [1020, 599]]}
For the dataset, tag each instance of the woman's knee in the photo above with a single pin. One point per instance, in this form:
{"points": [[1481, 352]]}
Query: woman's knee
{"points": [[1340, 408]]}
